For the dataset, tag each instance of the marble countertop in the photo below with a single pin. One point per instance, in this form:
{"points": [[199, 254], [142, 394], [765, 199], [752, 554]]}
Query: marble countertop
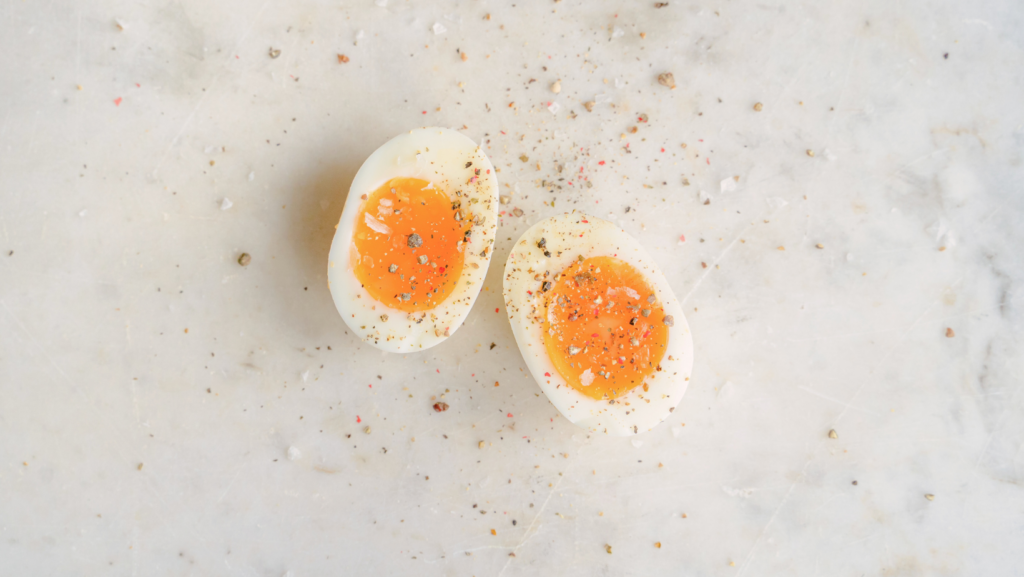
{"points": [[851, 264]]}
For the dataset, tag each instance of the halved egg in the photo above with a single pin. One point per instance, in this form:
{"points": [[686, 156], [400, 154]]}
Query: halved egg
{"points": [[598, 325], [414, 240]]}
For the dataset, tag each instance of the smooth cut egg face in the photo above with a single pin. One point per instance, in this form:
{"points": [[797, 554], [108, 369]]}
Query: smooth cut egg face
{"points": [[414, 240], [597, 324]]}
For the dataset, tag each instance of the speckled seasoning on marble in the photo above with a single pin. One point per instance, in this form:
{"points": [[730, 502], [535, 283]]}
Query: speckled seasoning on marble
{"points": [[115, 215]]}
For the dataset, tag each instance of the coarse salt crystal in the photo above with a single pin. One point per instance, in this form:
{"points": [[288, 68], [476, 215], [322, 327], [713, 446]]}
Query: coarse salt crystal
{"points": [[586, 377], [439, 28], [226, 204], [728, 185], [294, 454], [375, 224]]}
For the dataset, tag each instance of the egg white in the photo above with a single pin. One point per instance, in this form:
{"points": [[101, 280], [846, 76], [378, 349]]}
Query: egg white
{"points": [[439, 156], [568, 236]]}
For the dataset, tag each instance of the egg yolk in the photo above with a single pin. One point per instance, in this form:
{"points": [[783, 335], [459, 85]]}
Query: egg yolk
{"points": [[604, 329], [408, 244]]}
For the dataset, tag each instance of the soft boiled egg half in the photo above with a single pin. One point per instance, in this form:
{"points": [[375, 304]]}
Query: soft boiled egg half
{"points": [[414, 241], [597, 324]]}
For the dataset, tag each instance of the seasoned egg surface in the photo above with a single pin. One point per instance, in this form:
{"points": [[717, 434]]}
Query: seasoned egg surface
{"points": [[414, 240], [598, 324]]}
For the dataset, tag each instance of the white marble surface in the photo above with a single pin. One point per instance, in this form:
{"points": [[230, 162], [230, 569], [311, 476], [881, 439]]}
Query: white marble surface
{"points": [[129, 445]]}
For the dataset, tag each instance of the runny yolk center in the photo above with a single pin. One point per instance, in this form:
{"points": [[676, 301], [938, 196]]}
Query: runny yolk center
{"points": [[408, 244], [603, 327]]}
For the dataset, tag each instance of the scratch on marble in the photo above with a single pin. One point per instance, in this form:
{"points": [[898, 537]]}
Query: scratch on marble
{"points": [[719, 258], [827, 501], [803, 472], [892, 349], [847, 405], [918, 159], [529, 530], [979, 22], [869, 537], [157, 510], [753, 548], [799, 72], [64, 376], [213, 85], [530, 533]]}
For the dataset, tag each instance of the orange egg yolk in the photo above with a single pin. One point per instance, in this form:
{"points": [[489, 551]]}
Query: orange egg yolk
{"points": [[408, 244], [603, 327]]}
